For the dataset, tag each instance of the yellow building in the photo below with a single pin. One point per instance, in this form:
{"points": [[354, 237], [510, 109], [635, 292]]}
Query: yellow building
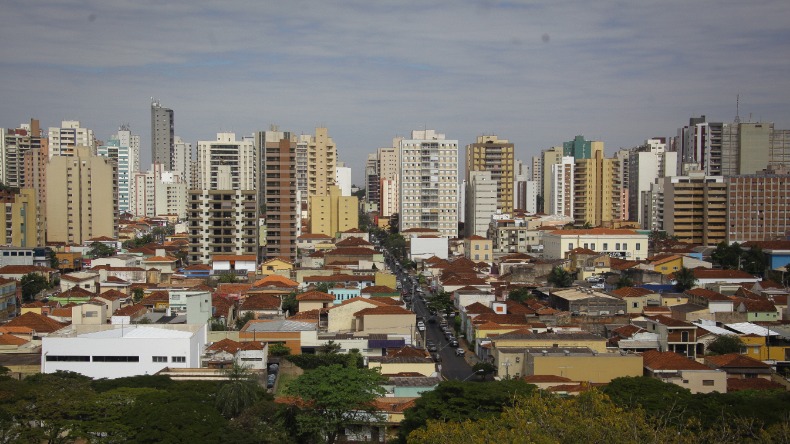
{"points": [[579, 364], [82, 197], [333, 213], [491, 153], [523, 339], [756, 348], [321, 163], [20, 218], [384, 279], [479, 249], [596, 189], [406, 360], [277, 266], [666, 263]]}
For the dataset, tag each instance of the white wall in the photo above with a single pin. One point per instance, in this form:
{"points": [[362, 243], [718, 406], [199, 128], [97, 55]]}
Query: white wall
{"points": [[425, 247]]}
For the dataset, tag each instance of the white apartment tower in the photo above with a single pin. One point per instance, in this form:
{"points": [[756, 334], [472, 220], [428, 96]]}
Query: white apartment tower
{"points": [[481, 202], [182, 159], [124, 148], [226, 163], [64, 140], [429, 183], [560, 201]]}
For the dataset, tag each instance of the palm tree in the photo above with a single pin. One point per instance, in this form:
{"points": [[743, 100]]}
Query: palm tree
{"points": [[684, 279], [559, 277], [238, 392]]}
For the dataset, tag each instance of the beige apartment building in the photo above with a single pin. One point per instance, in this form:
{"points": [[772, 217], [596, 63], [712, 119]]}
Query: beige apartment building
{"points": [[19, 218], [489, 153], [695, 208], [321, 163], [596, 190], [35, 177], [757, 206], [333, 213], [82, 197], [388, 166]]}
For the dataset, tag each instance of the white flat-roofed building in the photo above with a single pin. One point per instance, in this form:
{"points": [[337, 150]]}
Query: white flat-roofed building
{"points": [[624, 244], [117, 351]]}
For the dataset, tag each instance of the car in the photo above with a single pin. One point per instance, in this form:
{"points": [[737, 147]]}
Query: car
{"points": [[454, 343], [421, 326], [437, 357], [432, 348], [270, 380], [460, 352]]}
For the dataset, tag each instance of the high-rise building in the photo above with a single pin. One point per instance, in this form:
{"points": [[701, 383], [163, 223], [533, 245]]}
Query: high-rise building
{"points": [[182, 159], [35, 177], [481, 202], [14, 143], [429, 183], [277, 193], [227, 163], [560, 200], [333, 213], [64, 141], [321, 163], [19, 218], [695, 208], [581, 148], [596, 190], [162, 135], [522, 199], [343, 178], [758, 206], [549, 158], [222, 222], [372, 179], [647, 164], [302, 142], [388, 171], [159, 192], [82, 197], [124, 149], [489, 153]]}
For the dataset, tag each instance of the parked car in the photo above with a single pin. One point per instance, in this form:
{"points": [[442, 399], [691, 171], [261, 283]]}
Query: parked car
{"points": [[270, 380], [460, 352], [421, 326], [454, 343]]}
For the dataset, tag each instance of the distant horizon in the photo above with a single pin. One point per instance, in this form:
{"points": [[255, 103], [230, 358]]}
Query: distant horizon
{"points": [[536, 74]]}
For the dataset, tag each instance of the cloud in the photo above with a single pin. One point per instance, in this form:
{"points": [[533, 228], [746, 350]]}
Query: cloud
{"points": [[536, 73]]}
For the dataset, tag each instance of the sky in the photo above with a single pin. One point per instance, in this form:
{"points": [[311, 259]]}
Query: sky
{"points": [[534, 72]]}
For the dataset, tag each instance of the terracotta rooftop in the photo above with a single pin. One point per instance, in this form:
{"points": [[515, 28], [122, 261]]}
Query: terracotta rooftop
{"points": [[709, 273], [373, 289], [225, 288], [630, 292], [735, 360], [35, 322], [260, 302], [580, 250], [353, 242], [739, 384], [315, 296], [9, 339], [756, 305], [710, 295], [534, 379], [156, 296], [670, 322], [340, 278], [385, 310], [274, 280], [656, 360], [113, 295], [25, 269], [353, 251], [234, 257]]}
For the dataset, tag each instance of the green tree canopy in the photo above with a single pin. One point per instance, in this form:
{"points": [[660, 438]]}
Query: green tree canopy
{"points": [[520, 294], [560, 277], [459, 401], [99, 249], [32, 284], [724, 344], [684, 279], [334, 397], [239, 392], [227, 278], [624, 281]]}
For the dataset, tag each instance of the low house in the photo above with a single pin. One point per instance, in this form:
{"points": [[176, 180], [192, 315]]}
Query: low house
{"points": [[468, 295], [277, 265], [391, 319], [736, 365], [16, 272], [285, 332], [312, 300], [586, 301], [223, 353], [637, 298], [676, 336], [239, 264], [684, 372], [74, 294], [134, 275], [32, 324], [360, 281], [379, 291], [757, 310], [80, 279], [576, 363], [707, 276], [261, 306], [407, 360], [309, 241]]}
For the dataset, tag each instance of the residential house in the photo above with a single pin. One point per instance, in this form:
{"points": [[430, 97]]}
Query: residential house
{"points": [[285, 332], [391, 319], [586, 301], [478, 248], [684, 372], [676, 336], [224, 353], [637, 298], [80, 279], [32, 324], [16, 272], [312, 300], [707, 276], [132, 275], [468, 295], [576, 363], [239, 264], [309, 241], [277, 265], [757, 310], [407, 360], [261, 306], [666, 263], [739, 366], [341, 319]]}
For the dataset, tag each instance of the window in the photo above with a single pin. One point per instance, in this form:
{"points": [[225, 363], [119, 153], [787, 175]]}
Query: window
{"points": [[570, 246], [635, 305], [116, 359], [180, 359], [592, 247], [605, 246], [91, 314], [617, 246], [477, 257], [68, 358], [625, 246], [707, 382], [477, 247], [638, 247], [159, 359]]}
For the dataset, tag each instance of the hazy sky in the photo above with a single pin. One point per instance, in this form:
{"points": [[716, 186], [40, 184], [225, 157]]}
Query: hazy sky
{"points": [[536, 73]]}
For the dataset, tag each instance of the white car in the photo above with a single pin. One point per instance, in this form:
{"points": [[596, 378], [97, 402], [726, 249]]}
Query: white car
{"points": [[421, 326]]}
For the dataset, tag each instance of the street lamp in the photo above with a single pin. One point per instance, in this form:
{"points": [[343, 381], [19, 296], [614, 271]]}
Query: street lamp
{"points": [[477, 372]]}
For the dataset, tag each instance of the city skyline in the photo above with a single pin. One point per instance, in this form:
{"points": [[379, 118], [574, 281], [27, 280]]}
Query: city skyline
{"points": [[535, 74]]}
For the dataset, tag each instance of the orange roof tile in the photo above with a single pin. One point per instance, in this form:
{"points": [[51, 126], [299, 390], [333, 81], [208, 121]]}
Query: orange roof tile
{"points": [[656, 360], [735, 360], [315, 296], [385, 310], [276, 281], [35, 322]]}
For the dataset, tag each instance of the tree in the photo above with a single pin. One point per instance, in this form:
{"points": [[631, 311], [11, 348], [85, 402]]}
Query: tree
{"points": [[99, 249], [242, 320], [559, 277], [394, 224], [290, 304], [279, 350], [334, 397], [227, 278], [727, 256], [624, 281], [32, 284], [484, 369], [323, 287], [459, 401], [138, 294], [724, 344], [543, 418], [520, 295], [441, 302], [684, 279], [239, 392], [53, 259], [329, 348]]}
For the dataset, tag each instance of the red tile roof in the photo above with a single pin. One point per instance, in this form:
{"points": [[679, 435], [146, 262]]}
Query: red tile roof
{"points": [[656, 360], [709, 273], [353, 242], [234, 257], [534, 379], [630, 292], [274, 280], [315, 296], [25, 269], [373, 289], [260, 302], [339, 278], [739, 384], [113, 295], [226, 288], [351, 251], [710, 295], [385, 310], [735, 360], [670, 322], [756, 305], [36, 322]]}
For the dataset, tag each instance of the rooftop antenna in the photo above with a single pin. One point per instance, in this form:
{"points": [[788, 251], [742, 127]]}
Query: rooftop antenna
{"points": [[737, 106]]}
